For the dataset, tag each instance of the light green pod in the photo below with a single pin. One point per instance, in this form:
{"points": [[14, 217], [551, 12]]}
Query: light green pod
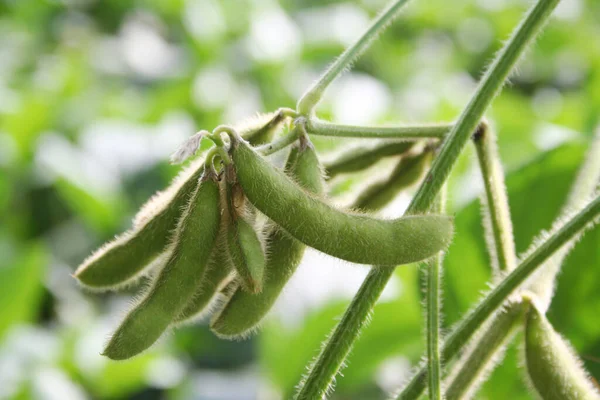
{"points": [[262, 128], [178, 280], [215, 278], [554, 370], [362, 158], [123, 259], [247, 254], [242, 313], [349, 236], [408, 171]]}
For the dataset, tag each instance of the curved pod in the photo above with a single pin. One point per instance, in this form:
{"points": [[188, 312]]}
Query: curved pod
{"points": [[123, 259], [552, 366], [242, 313], [349, 236], [177, 281], [216, 276], [408, 171]]}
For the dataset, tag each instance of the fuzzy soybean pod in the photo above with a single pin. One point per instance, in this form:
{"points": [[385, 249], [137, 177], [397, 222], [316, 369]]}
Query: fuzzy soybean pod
{"points": [[215, 278], [176, 283], [242, 313], [362, 158], [352, 237], [262, 128], [408, 171], [123, 259], [244, 245], [554, 370]]}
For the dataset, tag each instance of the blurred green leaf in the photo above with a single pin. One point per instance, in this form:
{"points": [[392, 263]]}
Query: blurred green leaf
{"points": [[21, 286]]}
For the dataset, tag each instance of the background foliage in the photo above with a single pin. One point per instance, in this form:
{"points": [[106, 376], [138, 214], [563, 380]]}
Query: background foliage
{"points": [[94, 96]]}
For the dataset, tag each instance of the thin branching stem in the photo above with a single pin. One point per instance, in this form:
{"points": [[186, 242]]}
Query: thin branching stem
{"points": [[496, 213], [434, 275], [479, 360], [585, 185], [323, 371], [313, 95], [408, 132], [280, 143], [468, 325]]}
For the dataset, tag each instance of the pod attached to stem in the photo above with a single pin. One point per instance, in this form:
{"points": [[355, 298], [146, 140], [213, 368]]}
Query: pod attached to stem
{"points": [[367, 240], [122, 260], [553, 368], [243, 312], [176, 283]]}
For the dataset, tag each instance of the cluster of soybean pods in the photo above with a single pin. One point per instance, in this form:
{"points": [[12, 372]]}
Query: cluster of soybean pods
{"points": [[230, 231]]}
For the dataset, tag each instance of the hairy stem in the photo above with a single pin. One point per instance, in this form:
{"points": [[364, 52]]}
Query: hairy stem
{"points": [[313, 95], [323, 370], [472, 369], [330, 359], [468, 325], [496, 211], [409, 132], [434, 315], [280, 143], [585, 185]]}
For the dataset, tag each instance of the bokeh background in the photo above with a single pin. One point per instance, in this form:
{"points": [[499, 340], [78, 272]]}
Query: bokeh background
{"points": [[95, 95]]}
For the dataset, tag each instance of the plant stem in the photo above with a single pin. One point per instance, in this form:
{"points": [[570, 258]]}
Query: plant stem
{"points": [[488, 88], [280, 143], [487, 348], [336, 349], [434, 316], [323, 370], [311, 97], [468, 325], [496, 211], [408, 132], [470, 371], [586, 183]]}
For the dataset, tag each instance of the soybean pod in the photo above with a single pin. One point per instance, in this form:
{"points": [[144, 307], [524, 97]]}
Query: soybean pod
{"points": [[352, 237], [409, 170], [242, 313], [243, 243], [262, 129], [215, 278], [176, 283], [554, 370], [361, 158], [123, 259]]}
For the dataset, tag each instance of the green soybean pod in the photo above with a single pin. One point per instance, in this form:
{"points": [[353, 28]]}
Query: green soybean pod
{"points": [[123, 259], [362, 158], [247, 254], [554, 370], [349, 236], [242, 313], [176, 283], [215, 278], [408, 171], [262, 128], [244, 245]]}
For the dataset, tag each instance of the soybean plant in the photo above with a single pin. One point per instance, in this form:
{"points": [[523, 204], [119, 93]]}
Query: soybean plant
{"points": [[207, 238]]}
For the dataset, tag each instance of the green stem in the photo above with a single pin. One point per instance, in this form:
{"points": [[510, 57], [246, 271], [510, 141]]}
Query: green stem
{"points": [[496, 211], [470, 371], [280, 143], [468, 325], [407, 132], [347, 331], [323, 370], [434, 315], [488, 88], [311, 97], [586, 183]]}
